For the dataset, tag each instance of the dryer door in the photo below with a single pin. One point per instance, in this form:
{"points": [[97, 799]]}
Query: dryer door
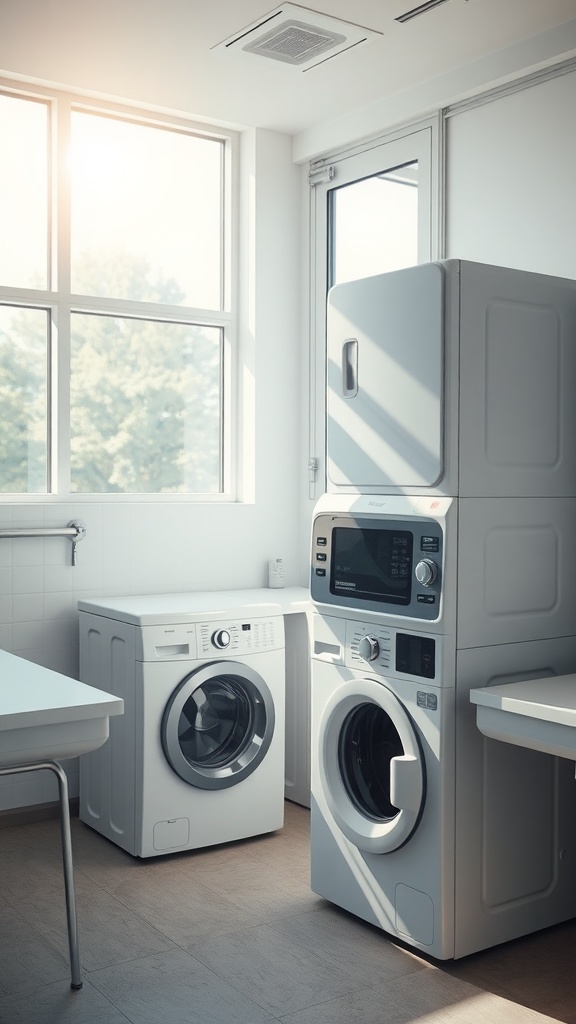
{"points": [[218, 725], [372, 768]]}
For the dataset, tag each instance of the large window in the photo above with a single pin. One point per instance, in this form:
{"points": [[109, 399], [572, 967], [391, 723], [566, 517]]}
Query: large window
{"points": [[116, 321]]}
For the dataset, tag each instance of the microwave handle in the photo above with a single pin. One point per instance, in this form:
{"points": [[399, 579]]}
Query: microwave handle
{"points": [[350, 368]]}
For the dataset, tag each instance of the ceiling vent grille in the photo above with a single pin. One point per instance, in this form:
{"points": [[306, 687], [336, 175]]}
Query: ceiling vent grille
{"points": [[295, 42], [297, 37]]}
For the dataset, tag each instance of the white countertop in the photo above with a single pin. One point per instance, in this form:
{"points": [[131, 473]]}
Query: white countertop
{"points": [[292, 599], [536, 713], [31, 696], [552, 699], [154, 609]]}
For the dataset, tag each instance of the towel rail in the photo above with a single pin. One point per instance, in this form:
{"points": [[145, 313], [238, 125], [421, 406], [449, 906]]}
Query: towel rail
{"points": [[75, 530]]}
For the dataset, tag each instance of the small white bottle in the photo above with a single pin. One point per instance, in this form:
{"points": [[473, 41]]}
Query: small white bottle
{"points": [[275, 573]]}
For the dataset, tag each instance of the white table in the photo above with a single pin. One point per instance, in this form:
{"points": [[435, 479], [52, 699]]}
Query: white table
{"points": [[46, 717], [535, 713]]}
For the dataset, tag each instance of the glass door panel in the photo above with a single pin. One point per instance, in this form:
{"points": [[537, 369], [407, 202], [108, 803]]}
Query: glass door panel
{"points": [[374, 224]]}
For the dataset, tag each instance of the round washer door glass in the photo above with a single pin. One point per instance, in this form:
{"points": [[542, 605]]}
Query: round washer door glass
{"points": [[368, 743], [218, 725], [371, 766]]}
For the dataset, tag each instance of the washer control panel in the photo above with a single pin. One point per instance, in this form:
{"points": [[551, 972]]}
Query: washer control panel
{"points": [[382, 648], [239, 636], [221, 638], [368, 643]]}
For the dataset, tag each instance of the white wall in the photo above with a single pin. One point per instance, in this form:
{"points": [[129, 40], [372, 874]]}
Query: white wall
{"points": [[405, 107], [511, 180]]}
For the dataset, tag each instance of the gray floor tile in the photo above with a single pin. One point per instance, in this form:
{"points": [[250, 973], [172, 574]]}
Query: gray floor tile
{"points": [[520, 972], [349, 945], [244, 872], [365, 1006], [213, 863], [27, 961], [175, 988], [438, 998], [27, 866], [58, 1004], [372, 1007], [186, 912], [109, 932], [15, 837], [102, 861], [428, 989], [280, 975], [274, 898]]}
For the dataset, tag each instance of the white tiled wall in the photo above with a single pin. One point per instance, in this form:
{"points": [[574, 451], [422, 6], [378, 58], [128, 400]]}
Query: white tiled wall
{"points": [[39, 588]]}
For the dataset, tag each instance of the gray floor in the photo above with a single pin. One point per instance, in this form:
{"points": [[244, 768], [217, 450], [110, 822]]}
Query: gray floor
{"points": [[233, 935]]}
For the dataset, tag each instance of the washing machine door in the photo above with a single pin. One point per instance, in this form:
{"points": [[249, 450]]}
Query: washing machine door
{"points": [[218, 725], [372, 768]]}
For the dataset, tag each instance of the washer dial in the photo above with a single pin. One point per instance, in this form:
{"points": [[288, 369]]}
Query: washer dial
{"points": [[221, 639], [369, 648]]}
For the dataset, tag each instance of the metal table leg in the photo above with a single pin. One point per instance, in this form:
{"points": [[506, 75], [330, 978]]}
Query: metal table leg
{"points": [[66, 839]]}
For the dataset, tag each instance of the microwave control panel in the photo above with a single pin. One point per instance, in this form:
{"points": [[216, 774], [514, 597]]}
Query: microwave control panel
{"points": [[385, 565]]}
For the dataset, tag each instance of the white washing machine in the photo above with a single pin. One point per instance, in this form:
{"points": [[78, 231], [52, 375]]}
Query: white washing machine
{"points": [[383, 756], [199, 756], [420, 825]]}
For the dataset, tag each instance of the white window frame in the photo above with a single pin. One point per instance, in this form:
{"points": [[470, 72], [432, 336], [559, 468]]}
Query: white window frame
{"points": [[421, 141], [56, 300]]}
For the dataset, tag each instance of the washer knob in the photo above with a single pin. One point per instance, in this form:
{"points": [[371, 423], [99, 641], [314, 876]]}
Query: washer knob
{"points": [[426, 572], [221, 639], [369, 648]]}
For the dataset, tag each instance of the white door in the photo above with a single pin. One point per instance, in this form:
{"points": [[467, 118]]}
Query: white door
{"points": [[371, 766], [218, 725], [385, 371]]}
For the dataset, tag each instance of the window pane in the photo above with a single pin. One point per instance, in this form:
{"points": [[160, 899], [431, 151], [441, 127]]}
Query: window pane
{"points": [[146, 403], [23, 193], [375, 224], [146, 213], [23, 400]]}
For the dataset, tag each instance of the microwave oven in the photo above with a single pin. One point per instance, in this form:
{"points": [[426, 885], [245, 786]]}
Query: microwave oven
{"points": [[384, 564]]}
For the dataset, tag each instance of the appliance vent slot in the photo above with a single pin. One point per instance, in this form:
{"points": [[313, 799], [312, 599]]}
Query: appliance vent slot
{"points": [[295, 42], [421, 9]]}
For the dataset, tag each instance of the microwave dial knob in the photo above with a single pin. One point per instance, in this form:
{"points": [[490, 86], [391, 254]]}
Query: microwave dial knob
{"points": [[369, 648], [221, 639], [426, 572]]}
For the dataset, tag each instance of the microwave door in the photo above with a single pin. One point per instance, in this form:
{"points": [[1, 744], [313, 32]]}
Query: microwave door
{"points": [[385, 368]]}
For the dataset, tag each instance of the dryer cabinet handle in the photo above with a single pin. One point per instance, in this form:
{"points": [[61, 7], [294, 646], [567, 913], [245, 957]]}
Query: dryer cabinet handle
{"points": [[350, 368]]}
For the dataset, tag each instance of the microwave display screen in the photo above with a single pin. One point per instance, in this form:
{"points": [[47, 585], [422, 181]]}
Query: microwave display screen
{"points": [[374, 564]]}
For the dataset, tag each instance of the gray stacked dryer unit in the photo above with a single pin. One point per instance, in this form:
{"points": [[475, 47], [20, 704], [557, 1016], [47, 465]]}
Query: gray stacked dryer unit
{"points": [[444, 559]]}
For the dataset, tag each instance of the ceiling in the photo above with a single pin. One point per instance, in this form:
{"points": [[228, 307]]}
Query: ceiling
{"points": [[162, 52], [257, 91]]}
